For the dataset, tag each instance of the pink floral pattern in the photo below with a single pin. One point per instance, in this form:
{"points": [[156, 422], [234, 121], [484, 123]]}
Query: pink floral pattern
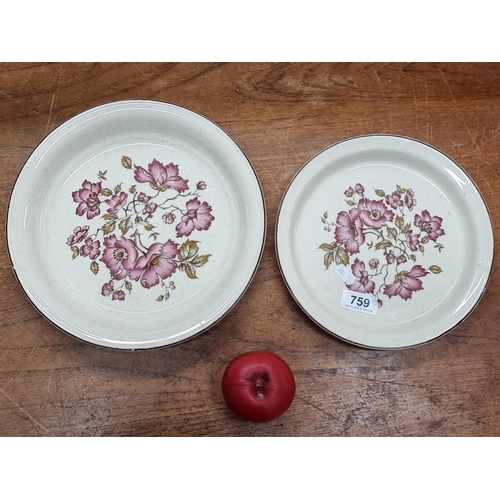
{"points": [[380, 224], [429, 225], [362, 283], [197, 216], [374, 213], [87, 198], [78, 234], [405, 283], [125, 241], [161, 177], [119, 256], [156, 264], [117, 202], [349, 230], [91, 249]]}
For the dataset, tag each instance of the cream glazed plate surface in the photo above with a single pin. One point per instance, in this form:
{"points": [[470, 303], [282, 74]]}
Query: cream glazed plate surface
{"points": [[384, 241], [136, 224]]}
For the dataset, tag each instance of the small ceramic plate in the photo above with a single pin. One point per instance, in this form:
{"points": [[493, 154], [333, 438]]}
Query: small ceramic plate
{"points": [[136, 224], [389, 219]]}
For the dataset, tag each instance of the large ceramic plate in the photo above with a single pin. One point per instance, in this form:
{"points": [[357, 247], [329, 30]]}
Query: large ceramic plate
{"points": [[404, 221], [136, 224]]}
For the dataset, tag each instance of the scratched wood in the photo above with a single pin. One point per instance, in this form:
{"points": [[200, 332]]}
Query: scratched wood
{"points": [[281, 115]]}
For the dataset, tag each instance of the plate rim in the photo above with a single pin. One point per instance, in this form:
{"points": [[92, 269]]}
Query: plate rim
{"points": [[301, 306], [209, 326]]}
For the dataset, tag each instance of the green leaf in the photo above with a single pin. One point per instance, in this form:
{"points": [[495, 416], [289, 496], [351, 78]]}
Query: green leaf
{"points": [[94, 267], [109, 217], [400, 189], [126, 162], [392, 233], [406, 228], [191, 272], [325, 215], [379, 192], [399, 222], [350, 203], [118, 188], [435, 269], [328, 259], [200, 260], [109, 227], [425, 240], [341, 256], [383, 244], [326, 247], [125, 225], [421, 248], [132, 189], [106, 192], [188, 250]]}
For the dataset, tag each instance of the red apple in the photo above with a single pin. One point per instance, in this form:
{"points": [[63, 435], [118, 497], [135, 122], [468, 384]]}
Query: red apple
{"points": [[258, 386]]}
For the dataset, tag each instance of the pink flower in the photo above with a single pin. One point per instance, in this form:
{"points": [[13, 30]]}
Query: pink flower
{"points": [[390, 257], [406, 283], [374, 213], [349, 230], [117, 202], [149, 208], [374, 263], [362, 283], [410, 200], [359, 189], [88, 199], [394, 200], [201, 185], [401, 259], [78, 235], [118, 295], [91, 249], [143, 198], [107, 288], [430, 225], [161, 177], [168, 218], [412, 240], [119, 256], [158, 263], [198, 217], [349, 192]]}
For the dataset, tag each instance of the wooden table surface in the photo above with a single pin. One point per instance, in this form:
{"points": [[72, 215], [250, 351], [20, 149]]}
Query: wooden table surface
{"points": [[281, 114]]}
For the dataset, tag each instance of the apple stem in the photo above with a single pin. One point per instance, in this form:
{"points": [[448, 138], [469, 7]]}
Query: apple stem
{"points": [[259, 388], [259, 380]]}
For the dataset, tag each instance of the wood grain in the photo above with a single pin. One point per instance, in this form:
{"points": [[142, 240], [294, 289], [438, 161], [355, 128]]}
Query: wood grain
{"points": [[281, 115]]}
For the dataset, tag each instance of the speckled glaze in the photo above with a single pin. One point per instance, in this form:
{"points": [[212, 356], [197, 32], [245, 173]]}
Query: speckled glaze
{"points": [[408, 223], [136, 224]]}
